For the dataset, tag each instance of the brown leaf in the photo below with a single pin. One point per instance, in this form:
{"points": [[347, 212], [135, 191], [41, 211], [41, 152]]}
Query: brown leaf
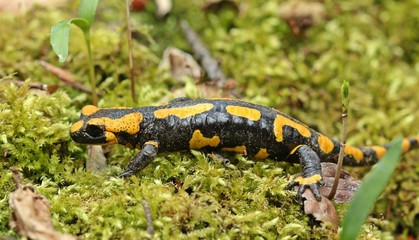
{"points": [[301, 15], [346, 187], [180, 64], [31, 215], [323, 211]]}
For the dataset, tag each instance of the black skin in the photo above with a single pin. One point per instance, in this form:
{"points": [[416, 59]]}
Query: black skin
{"points": [[173, 134]]}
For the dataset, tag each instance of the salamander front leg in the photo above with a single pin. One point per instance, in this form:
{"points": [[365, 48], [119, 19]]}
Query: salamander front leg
{"points": [[142, 159], [311, 176]]}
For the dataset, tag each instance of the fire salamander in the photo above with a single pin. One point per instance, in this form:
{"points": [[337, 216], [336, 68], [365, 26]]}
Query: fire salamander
{"points": [[220, 124]]}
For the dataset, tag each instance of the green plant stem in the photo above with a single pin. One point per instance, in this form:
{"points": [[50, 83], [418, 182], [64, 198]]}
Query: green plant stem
{"points": [[345, 105], [91, 67], [341, 155], [130, 51]]}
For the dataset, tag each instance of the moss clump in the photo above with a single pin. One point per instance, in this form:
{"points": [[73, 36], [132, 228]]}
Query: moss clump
{"points": [[34, 131], [34, 139]]}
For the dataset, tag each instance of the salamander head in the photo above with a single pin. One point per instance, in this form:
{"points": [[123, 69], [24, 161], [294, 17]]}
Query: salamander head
{"points": [[106, 126]]}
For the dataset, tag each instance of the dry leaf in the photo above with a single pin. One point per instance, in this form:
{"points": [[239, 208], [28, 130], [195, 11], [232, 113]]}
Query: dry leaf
{"points": [[31, 215], [180, 64], [347, 184], [323, 211], [301, 15]]}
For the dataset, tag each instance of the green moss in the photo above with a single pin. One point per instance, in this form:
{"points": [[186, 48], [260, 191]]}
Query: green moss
{"points": [[372, 44], [34, 131]]}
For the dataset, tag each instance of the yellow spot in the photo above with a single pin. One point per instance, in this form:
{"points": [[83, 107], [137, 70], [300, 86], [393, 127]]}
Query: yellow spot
{"points": [[89, 110], [325, 144], [129, 123], [406, 145], [245, 112], [295, 149], [183, 112], [199, 141], [238, 149], [262, 154], [76, 126], [154, 143], [281, 121], [309, 180], [111, 138], [379, 151], [356, 153]]}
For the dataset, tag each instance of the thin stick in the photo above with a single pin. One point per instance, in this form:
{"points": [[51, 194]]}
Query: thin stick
{"points": [[345, 103], [66, 77], [130, 50], [146, 206], [210, 64]]}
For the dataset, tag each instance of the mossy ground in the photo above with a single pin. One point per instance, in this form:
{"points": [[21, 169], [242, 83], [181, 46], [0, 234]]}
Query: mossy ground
{"points": [[372, 44]]}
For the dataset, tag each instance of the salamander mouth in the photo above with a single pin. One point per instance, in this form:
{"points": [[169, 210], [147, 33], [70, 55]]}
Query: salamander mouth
{"points": [[85, 137], [93, 134]]}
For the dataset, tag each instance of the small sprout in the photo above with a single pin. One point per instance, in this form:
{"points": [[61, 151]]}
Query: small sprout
{"points": [[345, 95], [60, 34]]}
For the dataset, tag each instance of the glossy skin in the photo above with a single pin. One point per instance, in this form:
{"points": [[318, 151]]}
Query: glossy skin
{"points": [[219, 125]]}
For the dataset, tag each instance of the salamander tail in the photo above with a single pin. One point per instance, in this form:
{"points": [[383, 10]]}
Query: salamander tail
{"points": [[362, 156]]}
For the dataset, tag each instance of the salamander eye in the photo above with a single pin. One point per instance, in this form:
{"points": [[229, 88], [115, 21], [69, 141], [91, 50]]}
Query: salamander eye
{"points": [[94, 130]]}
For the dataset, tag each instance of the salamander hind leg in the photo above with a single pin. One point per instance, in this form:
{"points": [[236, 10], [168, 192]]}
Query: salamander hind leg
{"points": [[142, 159], [311, 175]]}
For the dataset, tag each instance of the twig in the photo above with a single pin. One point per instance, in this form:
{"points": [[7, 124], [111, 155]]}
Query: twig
{"points": [[345, 103], [210, 65], [130, 50], [146, 206], [36, 85], [66, 77]]}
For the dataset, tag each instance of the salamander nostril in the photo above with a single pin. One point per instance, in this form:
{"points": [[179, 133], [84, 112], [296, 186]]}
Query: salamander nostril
{"points": [[94, 130]]}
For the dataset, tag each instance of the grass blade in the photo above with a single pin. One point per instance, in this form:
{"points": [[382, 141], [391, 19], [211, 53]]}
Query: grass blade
{"points": [[87, 10], [369, 191]]}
